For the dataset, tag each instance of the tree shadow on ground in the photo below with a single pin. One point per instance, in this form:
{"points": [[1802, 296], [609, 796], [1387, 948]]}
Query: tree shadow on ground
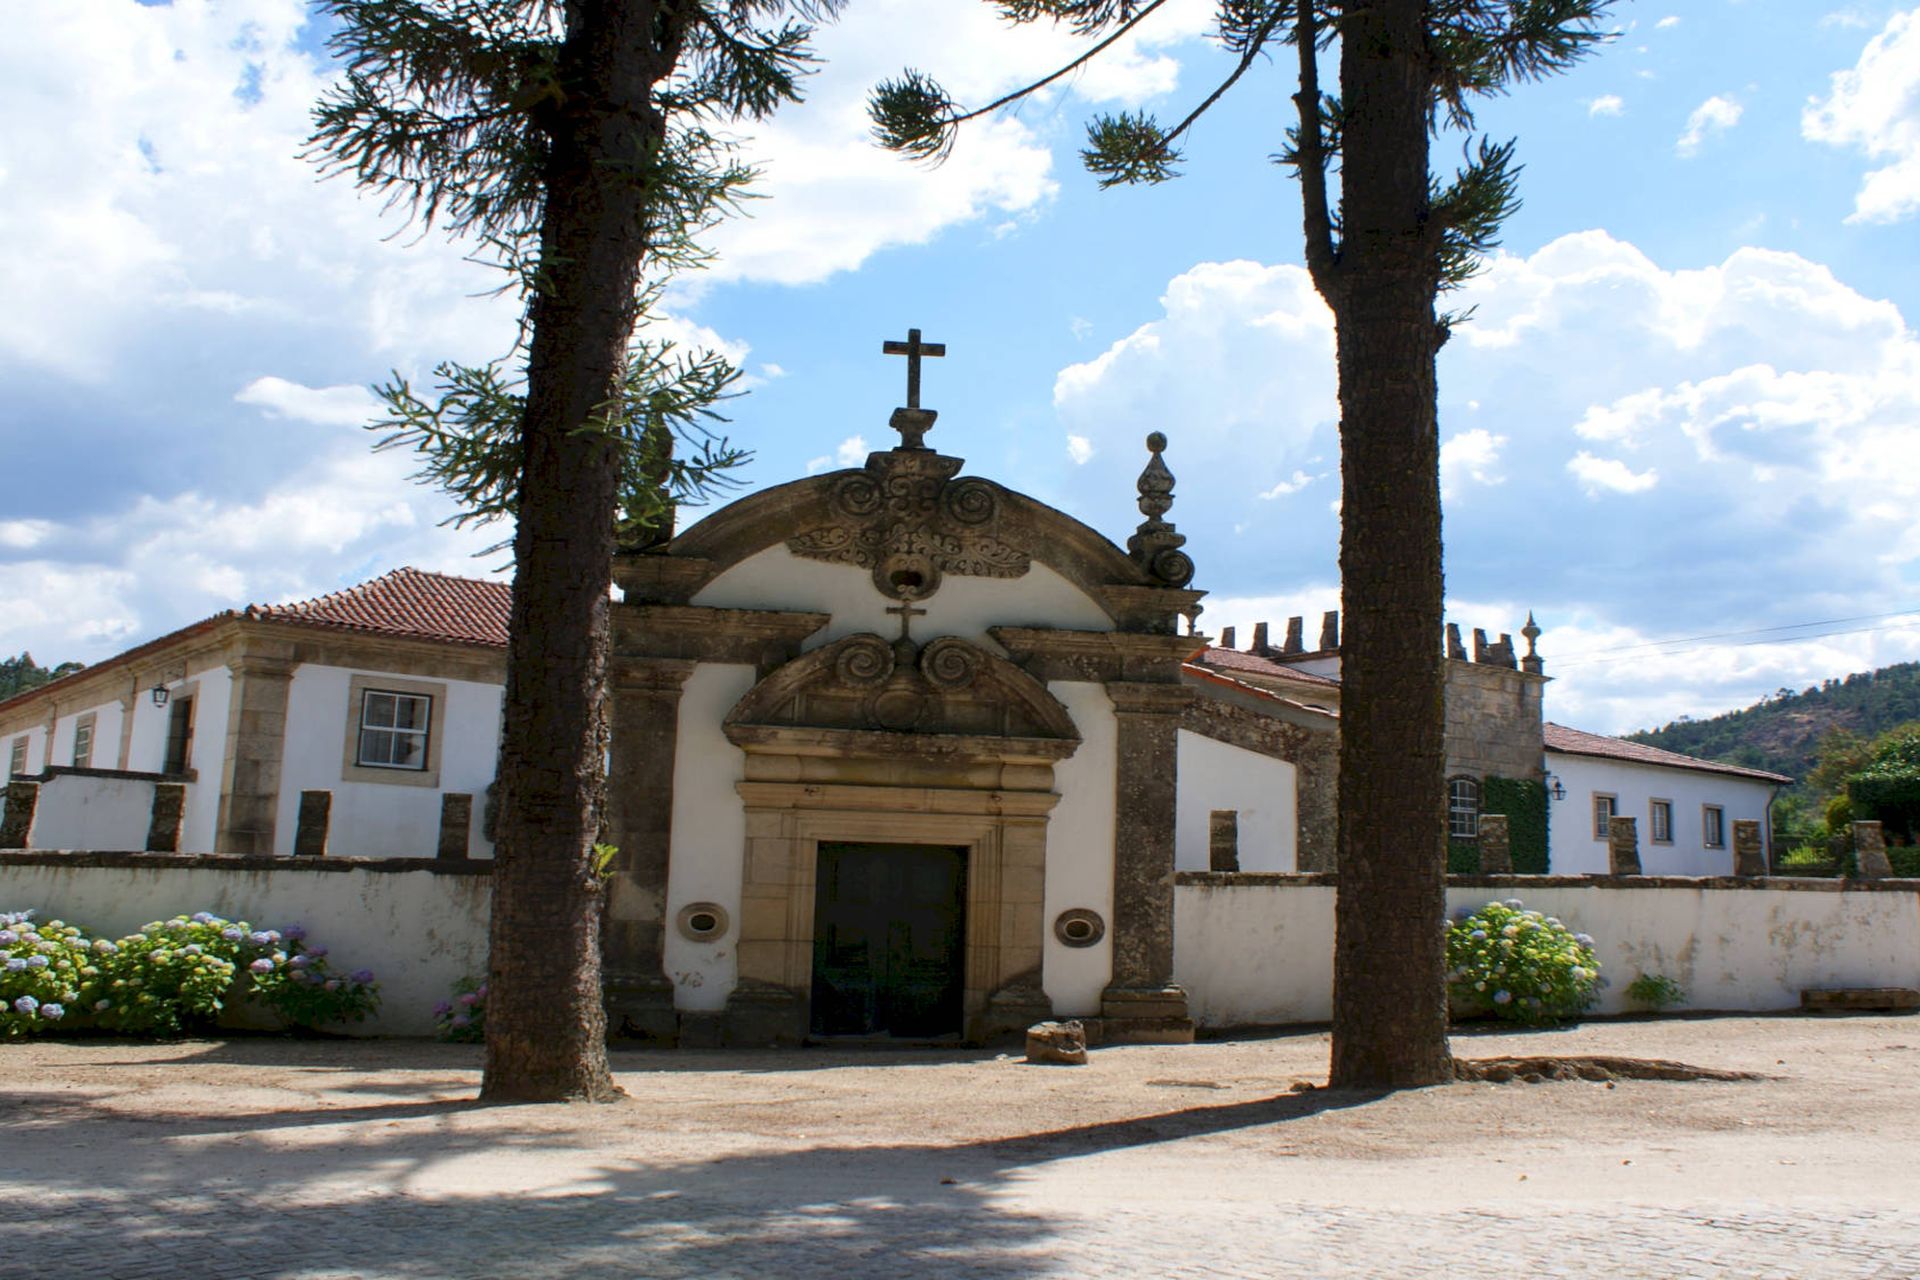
{"points": [[208, 1194]]}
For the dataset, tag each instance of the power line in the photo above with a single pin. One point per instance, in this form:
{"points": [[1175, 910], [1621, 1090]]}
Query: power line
{"points": [[1595, 657], [1752, 631]]}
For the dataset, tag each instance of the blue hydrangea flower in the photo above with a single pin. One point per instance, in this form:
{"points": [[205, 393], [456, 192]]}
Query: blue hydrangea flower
{"points": [[294, 932], [1513, 904], [8, 937], [1478, 935], [36, 962], [1503, 997], [101, 1006], [262, 965], [316, 952], [53, 1012], [204, 917], [15, 964], [1584, 939], [26, 1005], [261, 938], [363, 975], [233, 933], [442, 1009], [298, 962]]}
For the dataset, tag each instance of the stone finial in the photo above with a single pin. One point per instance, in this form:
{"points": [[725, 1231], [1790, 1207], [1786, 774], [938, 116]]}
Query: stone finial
{"points": [[1455, 649], [1192, 614], [1227, 638], [1501, 655], [1295, 643], [1260, 645], [1496, 845], [1480, 644], [1532, 662], [911, 421], [1330, 630], [1870, 851], [1749, 855], [1623, 846], [1155, 546]]}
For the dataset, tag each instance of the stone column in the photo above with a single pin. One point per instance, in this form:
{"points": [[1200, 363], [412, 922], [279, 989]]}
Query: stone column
{"points": [[250, 766], [16, 824], [645, 715], [1496, 847], [1749, 854], [1870, 851], [456, 825], [1223, 840], [163, 822], [1141, 1002], [312, 823], [1623, 846]]}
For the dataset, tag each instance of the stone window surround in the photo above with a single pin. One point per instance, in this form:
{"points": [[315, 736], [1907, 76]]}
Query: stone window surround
{"points": [[187, 689], [1599, 825], [1004, 834], [17, 756], [1713, 826], [87, 723], [351, 770], [1654, 826]]}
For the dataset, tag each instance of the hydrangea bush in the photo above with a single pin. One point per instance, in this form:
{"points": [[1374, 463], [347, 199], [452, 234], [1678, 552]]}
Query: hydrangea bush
{"points": [[464, 1017], [169, 977], [1507, 962]]}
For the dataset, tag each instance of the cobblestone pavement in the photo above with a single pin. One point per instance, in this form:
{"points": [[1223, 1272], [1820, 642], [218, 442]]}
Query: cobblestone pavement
{"points": [[962, 1229]]}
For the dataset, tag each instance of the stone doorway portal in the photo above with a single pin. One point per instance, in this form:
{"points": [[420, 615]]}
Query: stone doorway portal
{"points": [[889, 940]]}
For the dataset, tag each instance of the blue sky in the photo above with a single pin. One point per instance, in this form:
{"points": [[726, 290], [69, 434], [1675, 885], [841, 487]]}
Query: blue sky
{"points": [[1688, 405]]}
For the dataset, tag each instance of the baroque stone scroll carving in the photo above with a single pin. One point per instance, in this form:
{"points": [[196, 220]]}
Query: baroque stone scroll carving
{"points": [[908, 521]]}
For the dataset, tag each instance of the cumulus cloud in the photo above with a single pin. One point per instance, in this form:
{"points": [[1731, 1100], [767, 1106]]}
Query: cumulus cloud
{"points": [[1874, 107], [1714, 116], [1470, 457], [329, 406], [1080, 449], [1664, 23], [1609, 474], [1291, 485], [1607, 104]]}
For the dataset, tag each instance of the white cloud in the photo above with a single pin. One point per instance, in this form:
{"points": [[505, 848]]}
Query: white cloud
{"points": [[1664, 23], [1597, 474], [1607, 104], [22, 535], [1470, 456], [1874, 107], [1714, 116], [770, 371], [1080, 449], [330, 406], [852, 451], [1292, 485]]}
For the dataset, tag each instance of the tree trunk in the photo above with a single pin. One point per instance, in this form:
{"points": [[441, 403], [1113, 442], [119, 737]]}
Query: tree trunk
{"points": [[1390, 1008], [546, 1024]]}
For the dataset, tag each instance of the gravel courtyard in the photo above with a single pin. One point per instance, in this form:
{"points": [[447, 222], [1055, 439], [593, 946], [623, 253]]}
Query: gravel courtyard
{"points": [[330, 1159]]}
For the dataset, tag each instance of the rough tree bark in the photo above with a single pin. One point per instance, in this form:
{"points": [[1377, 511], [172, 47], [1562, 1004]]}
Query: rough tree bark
{"points": [[546, 1035]]}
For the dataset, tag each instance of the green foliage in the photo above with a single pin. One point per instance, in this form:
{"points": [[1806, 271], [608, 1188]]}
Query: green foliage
{"points": [[1506, 962], [18, 675], [1656, 991], [1524, 802], [171, 977], [1463, 858], [464, 1017]]}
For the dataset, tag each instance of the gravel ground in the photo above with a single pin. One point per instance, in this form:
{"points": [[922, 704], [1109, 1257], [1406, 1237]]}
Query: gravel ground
{"points": [[326, 1159]]}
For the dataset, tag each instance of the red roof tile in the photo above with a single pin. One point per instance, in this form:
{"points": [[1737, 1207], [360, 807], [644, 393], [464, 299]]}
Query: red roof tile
{"points": [[1578, 743], [407, 602], [1253, 663]]}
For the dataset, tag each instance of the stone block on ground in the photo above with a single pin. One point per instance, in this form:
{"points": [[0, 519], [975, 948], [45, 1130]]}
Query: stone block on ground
{"points": [[1063, 1043]]}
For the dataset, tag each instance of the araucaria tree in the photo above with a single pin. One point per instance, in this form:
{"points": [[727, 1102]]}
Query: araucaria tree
{"points": [[571, 141], [1381, 249]]}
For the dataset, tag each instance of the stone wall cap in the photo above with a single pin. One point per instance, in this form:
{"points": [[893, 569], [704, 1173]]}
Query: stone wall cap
{"points": [[237, 862]]}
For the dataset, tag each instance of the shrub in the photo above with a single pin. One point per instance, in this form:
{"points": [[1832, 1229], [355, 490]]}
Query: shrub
{"points": [[1507, 962], [296, 981], [464, 1017], [45, 972], [171, 974], [1655, 991]]}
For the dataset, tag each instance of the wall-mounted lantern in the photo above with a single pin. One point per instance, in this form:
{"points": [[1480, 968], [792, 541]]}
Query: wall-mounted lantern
{"points": [[1554, 788]]}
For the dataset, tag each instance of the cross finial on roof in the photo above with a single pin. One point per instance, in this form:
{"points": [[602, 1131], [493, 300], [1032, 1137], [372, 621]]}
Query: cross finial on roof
{"points": [[911, 421]]}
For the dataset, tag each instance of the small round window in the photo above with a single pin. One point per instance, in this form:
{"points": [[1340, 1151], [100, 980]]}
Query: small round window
{"points": [[1079, 927], [702, 921]]}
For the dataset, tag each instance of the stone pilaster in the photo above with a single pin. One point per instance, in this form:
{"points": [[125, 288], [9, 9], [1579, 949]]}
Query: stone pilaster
{"points": [[16, 823], [1141, 1002], [456, 825], [1623, 846], [163, 822], [1496, 846], [1870, 851], [1749, 854], [256, 743], [645, 715], [312, 824]]}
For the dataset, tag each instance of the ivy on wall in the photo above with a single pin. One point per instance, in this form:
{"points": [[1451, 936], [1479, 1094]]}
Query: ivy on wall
{"points": [[1524, 803]]}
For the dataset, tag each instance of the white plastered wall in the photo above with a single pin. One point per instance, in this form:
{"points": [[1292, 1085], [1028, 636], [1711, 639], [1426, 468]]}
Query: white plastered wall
{"points": [[213, 694], [373, 819], [1260, 789], [708, 836], [36, 750], [78, 811], [1573, 849], [963, 606], [1080, 851], [105, 753]]}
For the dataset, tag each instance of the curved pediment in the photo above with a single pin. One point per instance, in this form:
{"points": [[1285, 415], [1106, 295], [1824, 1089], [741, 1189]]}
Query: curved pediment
{"points": [[868, 684], [910, 520]]}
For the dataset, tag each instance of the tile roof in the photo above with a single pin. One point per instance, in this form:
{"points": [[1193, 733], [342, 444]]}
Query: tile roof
{"points": [[407, 602], [1576, 742], [1254, 664]]}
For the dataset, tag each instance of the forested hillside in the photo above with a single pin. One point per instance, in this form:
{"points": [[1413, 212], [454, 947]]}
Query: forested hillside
{"points": [[1783, 732], [17, 675]]}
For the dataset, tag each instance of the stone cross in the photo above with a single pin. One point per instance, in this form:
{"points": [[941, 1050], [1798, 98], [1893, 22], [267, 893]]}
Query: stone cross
{"points": [[913, 349]]}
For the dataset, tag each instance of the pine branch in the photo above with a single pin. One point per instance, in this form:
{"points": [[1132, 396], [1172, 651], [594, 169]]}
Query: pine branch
{"points": [[1311, 159]]}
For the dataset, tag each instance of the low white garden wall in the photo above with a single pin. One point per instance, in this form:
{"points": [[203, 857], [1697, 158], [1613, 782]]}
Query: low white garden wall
{"points": [[420, 925], [1257, 950]]}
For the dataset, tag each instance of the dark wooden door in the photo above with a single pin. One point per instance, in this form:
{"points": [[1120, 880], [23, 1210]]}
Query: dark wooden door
{"points": [[889, 940]]}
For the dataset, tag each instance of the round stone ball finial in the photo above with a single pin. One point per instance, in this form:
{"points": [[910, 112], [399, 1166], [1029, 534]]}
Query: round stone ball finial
{"points": [[1157, 442]]}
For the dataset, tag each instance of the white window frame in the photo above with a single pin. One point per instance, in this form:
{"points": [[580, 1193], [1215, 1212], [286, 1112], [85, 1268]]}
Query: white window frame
{"points": [[355, 768], [1713, 826], [1463, 823], [1601, 825], [83, 731], [1654, 831], [17, 758]]}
